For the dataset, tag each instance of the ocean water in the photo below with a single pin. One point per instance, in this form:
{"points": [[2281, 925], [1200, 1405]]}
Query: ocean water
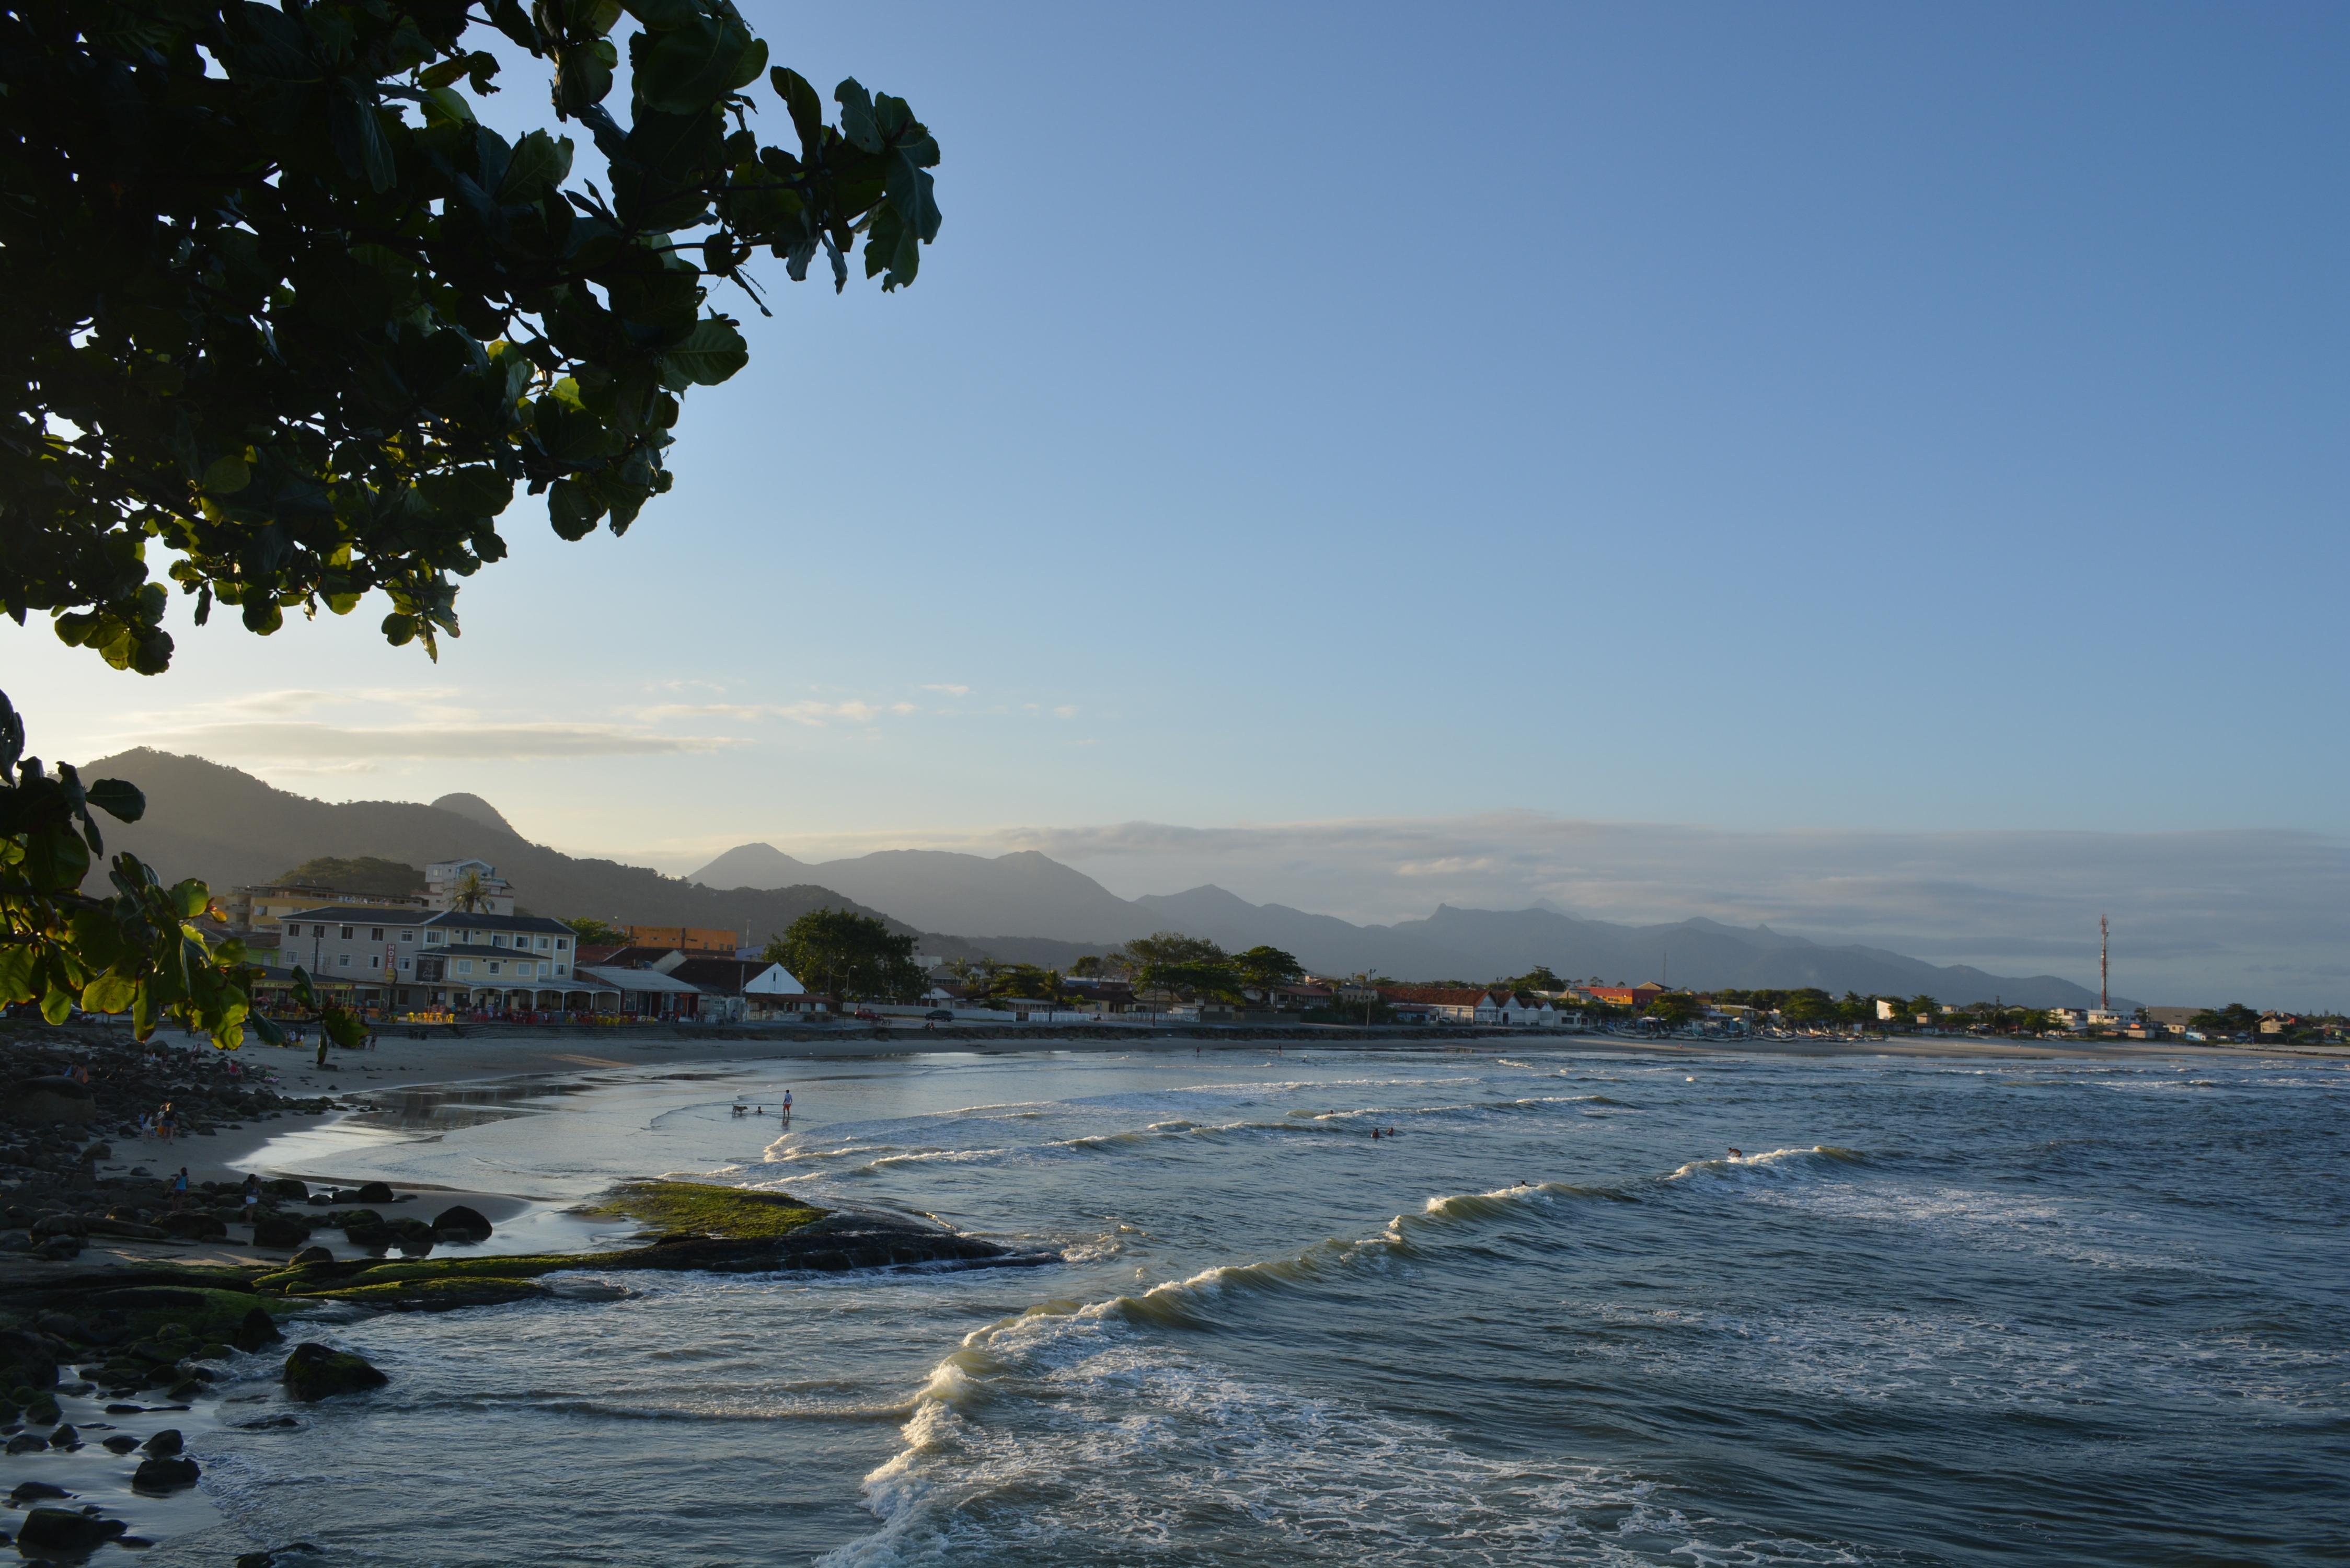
{"points": [[1940, 1312]]}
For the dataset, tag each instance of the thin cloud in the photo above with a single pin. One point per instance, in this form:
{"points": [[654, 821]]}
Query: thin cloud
{"points": [[317, 743], [948, 688]]}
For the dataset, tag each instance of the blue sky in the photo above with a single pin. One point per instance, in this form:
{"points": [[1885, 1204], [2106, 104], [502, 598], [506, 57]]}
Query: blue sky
{"points": [[1798, 417]]}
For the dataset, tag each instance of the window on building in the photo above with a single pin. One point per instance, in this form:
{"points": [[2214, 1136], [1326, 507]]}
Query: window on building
{"points": [[497, 939], [342, 961], [560, 944], [346, 931], [563, 969], [493, 966], [375, 933], [408, 936], [375, 961], [405, 964], [465, 966], [432, 938]]}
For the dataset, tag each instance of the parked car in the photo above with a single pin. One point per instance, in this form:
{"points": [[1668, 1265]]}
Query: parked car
{"points": [[939, 1015], [866, 1015]]}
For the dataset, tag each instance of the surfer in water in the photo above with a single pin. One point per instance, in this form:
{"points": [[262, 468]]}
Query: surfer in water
{"points": [[1736, 1154]]}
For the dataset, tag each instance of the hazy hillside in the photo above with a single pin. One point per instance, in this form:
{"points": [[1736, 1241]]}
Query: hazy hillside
{"points": [[1477, 945], [1023, 894], [228, 827]]}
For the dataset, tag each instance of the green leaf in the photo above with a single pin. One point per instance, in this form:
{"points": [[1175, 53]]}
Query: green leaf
{"points": [[355, 128], [109, 993], [712, 352], [800, 98], [226, 476], [539, 163], [572, 510], [117, 799], [690, 68], [857, 126], [57, 1004], [17, 974], [473, 492]]}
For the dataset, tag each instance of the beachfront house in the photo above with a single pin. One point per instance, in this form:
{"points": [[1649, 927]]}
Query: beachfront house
{"points": [[1435, 1003], [414, 959]]}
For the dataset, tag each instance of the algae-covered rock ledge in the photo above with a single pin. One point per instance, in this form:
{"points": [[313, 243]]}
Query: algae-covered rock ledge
{"points": [[687, 1226]]}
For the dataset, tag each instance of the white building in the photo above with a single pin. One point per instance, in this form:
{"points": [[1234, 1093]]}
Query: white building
{"points": [[445, 882]]}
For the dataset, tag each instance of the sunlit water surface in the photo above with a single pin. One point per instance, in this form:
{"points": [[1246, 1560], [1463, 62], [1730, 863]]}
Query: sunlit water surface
{"points": [[1940, 1312]]}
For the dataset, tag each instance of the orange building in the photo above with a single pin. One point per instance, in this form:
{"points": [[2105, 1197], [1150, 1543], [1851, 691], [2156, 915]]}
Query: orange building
{"points": [[1624, 995], [684, 938]]}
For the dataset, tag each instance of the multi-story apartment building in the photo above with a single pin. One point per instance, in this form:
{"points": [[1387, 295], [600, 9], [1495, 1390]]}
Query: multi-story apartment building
{"points": [[369, 956]]}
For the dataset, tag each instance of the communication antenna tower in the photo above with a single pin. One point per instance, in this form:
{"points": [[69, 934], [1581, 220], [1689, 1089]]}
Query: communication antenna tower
{"points": [[2103, 1003]]}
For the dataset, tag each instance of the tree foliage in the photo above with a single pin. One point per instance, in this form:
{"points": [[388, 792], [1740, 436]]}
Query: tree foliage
{"points": [[1268, 966], [137, 949], [278, 303], [843, 953], [359, 874], [592, 932], [1171, 961]]}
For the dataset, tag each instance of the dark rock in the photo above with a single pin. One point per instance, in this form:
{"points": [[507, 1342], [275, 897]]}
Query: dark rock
{"points": [[27, 1359], [193, 1226], [60, 1249], [164, 1474], [256, 1329], [267, 1423], [344, 1218], [371, 1238], [60, 1323], [375, 1193], [126, 1409], [51, 1100], [275, 1230], [164, 1444], [313, 1255], [65, 1532], [64, 1437], [99, 1152], [120, 1443], [35, 1492], [130, 1229], [27, 1443], [313, 1372], [186, 1390], [60, 1225], [15, 1241], [459, 1223], [287, 1186]]}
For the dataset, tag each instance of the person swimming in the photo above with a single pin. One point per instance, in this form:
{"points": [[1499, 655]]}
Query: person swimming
{"points": [[1735, 1155]]}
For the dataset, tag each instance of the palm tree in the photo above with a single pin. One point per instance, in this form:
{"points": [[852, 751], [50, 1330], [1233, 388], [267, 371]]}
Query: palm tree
{"points": [[471, 895]]}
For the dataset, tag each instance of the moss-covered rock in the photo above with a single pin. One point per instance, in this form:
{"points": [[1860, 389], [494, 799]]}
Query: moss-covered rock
{"points": [[438, 1295], [313, 1373], [699, 1208]]}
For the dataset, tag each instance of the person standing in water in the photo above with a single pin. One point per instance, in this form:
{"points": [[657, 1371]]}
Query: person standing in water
{"points": [[788, 1105]]}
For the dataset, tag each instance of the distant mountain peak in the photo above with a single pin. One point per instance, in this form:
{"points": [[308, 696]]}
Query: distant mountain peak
{"points": [[474, 808]]}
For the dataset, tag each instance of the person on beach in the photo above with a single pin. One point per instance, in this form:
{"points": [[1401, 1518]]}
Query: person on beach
{"points": [[1374, 1134], [166, 1122], [322, 1047], [180, 1190], [146, 1124], [252, 1197], [788, 1105]]}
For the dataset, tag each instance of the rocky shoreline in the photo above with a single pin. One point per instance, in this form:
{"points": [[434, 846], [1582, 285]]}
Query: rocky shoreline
{"points": [[136, 1341]]}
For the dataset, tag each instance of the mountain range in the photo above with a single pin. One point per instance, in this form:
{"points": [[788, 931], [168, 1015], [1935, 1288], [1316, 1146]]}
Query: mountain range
{"points": [[230, 828], [1052, 904]]}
